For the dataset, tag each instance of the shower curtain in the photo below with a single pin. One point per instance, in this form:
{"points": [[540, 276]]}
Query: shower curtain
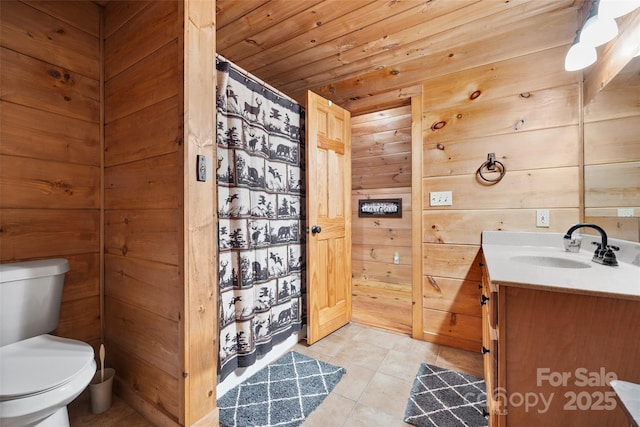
{"points": [[260, 175]]}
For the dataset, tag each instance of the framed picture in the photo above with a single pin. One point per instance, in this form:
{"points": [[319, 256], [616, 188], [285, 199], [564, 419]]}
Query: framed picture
{"points": [[388, 208]]}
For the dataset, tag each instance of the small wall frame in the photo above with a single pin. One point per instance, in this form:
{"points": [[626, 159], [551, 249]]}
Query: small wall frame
{"points": [[386, 208]]}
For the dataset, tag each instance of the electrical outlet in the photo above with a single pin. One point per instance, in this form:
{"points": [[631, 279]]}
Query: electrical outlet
{"points": [[440, 198], [396, 258], [626, 212], [542, 218]]}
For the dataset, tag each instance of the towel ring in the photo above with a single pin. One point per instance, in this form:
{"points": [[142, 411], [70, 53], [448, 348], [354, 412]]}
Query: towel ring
{"points": [[490, 165]]}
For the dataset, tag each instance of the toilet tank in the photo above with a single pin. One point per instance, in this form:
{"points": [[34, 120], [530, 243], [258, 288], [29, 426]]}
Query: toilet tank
{"points": [[30, 297]]}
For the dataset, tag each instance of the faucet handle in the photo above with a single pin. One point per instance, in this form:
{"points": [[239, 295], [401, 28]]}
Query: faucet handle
{"points": [[608, 257], [599, 253], [615, 248]]}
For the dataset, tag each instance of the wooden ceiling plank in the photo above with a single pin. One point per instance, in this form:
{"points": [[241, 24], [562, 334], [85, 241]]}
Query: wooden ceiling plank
{"points": [[317, 15], [357, 54], [456, 49], [538, 33], [445, 39], [330, 30], [275, 15], [229, 11], [388, 33]]}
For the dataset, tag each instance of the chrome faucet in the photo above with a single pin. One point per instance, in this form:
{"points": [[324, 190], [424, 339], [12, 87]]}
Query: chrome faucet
{"points": [[604, 252]]}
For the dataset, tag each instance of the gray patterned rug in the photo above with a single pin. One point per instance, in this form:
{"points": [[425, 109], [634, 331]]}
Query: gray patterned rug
{"points": [[281, 394], [445, 398]]}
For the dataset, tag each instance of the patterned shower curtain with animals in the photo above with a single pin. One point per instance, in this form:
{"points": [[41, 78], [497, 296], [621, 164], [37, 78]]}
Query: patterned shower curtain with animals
{"points": [[261, 217]]}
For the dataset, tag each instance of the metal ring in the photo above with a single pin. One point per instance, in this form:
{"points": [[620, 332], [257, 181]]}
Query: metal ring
{"points": [[487, 165]]}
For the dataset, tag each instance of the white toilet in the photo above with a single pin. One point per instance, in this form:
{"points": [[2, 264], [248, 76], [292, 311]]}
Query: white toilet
{"points": [[40, 374]]}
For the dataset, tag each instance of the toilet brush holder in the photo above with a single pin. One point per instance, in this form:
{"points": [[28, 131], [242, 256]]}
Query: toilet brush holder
{"points": [[101, 390]]}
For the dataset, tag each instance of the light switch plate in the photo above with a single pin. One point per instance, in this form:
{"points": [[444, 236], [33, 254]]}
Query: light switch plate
{"points": [[542, 218], [440, 198], [203, 168]]}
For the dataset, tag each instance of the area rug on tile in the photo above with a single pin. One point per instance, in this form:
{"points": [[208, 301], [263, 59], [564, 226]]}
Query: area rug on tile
{"points": [[282, 393], [444, 398]]}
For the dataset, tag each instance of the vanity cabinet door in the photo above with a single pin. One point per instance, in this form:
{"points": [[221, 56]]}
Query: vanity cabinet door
{"points": [[489, 303]]}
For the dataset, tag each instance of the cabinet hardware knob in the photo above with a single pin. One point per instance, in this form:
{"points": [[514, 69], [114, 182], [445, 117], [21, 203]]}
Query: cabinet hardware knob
{"points": [[483, 299]]}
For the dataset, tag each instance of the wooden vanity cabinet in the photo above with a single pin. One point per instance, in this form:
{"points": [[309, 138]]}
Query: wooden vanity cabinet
{"points": [[551, 355]]}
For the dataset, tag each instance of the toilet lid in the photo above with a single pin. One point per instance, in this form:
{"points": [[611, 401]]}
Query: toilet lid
{"points": [[41, 363]]}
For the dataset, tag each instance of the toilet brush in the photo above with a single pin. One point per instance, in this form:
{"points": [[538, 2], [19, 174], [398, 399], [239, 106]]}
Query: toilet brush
{"points": [[101, 363]]}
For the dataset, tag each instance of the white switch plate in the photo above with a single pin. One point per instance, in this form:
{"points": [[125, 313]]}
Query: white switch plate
{"points": [[542, 218], [204, 168], [626, 212], [440, 198]]}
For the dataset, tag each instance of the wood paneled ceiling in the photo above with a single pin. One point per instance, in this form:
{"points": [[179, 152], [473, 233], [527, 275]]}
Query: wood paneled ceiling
{"points": [[371, 54]]}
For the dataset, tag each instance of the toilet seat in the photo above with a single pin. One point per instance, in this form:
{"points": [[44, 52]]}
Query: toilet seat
{"points": [[40, 364]]}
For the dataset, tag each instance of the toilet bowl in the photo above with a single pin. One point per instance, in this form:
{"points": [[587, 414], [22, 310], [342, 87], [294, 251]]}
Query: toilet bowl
{"points": [[40, 374]]}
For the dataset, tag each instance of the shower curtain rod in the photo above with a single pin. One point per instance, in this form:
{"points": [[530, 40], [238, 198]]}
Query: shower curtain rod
{"points": [[251, 76]]}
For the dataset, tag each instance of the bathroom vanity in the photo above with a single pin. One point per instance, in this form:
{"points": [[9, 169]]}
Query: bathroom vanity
{"points": [[557, 328]]}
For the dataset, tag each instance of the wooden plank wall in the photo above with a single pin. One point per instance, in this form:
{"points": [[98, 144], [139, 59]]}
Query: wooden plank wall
{"points": [[200, 320], [50, 151], [144, 285], [381, 168], [612, 155], [524, 108]]}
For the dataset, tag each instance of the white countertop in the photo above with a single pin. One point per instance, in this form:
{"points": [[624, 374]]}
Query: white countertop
{"points": [[504, 252], [629, 395]]}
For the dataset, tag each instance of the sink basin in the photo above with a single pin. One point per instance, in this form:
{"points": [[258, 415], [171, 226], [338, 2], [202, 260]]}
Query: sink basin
{"points": [[549, 261]]}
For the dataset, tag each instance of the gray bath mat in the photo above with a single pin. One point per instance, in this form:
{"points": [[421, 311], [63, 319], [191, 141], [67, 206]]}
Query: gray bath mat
{"points": [[281, 394], [445, 398]]}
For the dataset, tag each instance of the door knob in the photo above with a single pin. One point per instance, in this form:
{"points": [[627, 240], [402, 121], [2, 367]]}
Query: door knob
{"points": [[315, 229]]}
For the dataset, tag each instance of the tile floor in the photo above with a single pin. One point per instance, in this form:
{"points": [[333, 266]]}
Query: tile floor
{"points": [[380, 368]]}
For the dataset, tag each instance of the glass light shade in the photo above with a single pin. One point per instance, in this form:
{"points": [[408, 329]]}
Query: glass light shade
{"points": [[616, 8], [580, 56], [597, 31]]}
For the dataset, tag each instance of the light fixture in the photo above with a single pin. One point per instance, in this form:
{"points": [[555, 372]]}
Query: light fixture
{"points": [[616, 8], [580, 56], [598, 30]]}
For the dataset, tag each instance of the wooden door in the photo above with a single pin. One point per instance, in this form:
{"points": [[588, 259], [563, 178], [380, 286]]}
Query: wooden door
{"points": [[328, 146]]}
